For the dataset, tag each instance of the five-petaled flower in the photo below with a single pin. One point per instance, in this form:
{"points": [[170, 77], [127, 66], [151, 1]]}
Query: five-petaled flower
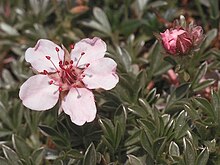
{"points": [[69, 77]]}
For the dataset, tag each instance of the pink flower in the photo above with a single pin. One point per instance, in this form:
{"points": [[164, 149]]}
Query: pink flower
{"points": [[197, 35], [68, 77], [176, 41]]}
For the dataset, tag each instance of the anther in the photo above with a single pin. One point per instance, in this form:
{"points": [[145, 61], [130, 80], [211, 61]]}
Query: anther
{"points": [[48, 57], [71, 62], [80, 58], [72, 46], [66, 63], [61, 66], [51, 82], [45, 72], [60, 63], [87, 65], [60, 89], [57, 49]]}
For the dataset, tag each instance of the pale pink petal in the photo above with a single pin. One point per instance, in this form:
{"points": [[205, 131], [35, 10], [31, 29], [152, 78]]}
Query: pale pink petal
{"points": [[165, 39], [172, 47], [169, 39], [37, 94], [197, 35], [37, 55], [101, 74], [175, 33], [79, 104], [173, 76], [92, 49]]}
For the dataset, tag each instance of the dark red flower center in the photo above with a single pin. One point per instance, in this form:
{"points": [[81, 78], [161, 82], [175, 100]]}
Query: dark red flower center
{"points": [[69, 74]]}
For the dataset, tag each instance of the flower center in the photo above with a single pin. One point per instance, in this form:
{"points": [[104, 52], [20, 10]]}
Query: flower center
{"points": [[68, 74]]}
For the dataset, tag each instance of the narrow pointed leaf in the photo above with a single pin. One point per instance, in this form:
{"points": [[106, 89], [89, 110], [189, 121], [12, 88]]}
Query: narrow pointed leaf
{"points": [[174, 149], [10, 155], [203, 157], [21, 146], [133, 160], [90, 155], [189, 152]]}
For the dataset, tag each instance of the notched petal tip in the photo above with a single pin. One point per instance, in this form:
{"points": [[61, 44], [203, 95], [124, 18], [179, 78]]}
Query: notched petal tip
{"points": [[95, 40], [91, 49], [36, 55]]}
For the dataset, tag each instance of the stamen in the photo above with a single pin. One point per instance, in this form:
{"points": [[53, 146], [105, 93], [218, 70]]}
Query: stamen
{"points": [[78, 93], [68, 81], [69, 78], [61, 66], [48, 57], [77, 86], [69, 75], [51, 82], [57, 49], [45, 72], [72, 46], [80, 58], [83, 66]]}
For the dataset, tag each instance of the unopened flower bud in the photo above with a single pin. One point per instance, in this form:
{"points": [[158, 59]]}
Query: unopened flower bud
{"points": [[197, 35], [182, 38], [176, 41]]}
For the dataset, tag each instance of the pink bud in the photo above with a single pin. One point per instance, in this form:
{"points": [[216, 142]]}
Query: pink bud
{"points": [[197, 35], [176, 41]]}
